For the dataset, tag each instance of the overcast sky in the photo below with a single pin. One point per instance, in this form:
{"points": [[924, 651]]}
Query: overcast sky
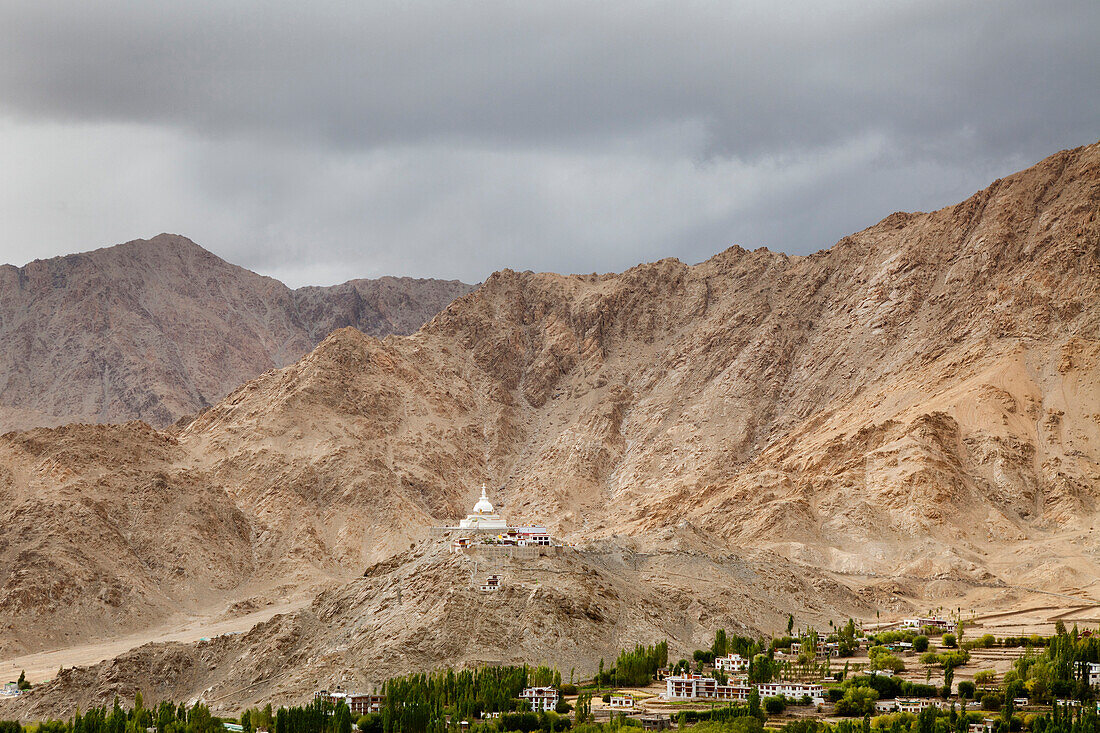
{"points": [[319, 141]]}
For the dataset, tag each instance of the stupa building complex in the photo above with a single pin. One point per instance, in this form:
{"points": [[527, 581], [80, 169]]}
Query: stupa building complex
{"points": [[484, 525]]}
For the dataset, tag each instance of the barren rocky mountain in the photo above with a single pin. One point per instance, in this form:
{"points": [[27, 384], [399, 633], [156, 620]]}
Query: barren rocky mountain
{"points": [[908, 419], [157, 329]]}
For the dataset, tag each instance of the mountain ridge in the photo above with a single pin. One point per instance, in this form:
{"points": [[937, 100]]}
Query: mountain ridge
{"points": [[910, 418], [161, 328]]}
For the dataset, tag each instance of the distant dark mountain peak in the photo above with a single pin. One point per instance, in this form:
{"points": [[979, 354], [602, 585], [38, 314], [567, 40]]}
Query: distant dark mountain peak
{"points": [[154, 329]]}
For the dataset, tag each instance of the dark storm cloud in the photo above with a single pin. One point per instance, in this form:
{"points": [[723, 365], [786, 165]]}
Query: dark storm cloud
{"points": [[307, 139]]}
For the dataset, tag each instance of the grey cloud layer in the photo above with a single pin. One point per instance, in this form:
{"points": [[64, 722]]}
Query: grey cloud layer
{"points": [[456, 138]]}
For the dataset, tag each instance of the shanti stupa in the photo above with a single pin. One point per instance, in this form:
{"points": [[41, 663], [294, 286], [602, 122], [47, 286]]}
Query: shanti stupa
{"points": [[483, 517]]}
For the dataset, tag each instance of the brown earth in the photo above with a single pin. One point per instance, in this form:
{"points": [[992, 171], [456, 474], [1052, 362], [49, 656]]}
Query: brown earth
{"points": [[908, 420], [157, 329]]}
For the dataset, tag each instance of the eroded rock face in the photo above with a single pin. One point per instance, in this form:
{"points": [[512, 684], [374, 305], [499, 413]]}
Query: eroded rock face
{"points": [[156, 329], [911, 414]]}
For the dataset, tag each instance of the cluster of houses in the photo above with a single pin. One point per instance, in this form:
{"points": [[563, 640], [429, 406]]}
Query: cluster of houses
{"points": [[699, 687], [359, 703], [513, 537], [822, 650]]}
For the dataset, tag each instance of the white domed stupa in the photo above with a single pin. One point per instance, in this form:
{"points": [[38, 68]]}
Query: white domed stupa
{"points": [[483, 517]]}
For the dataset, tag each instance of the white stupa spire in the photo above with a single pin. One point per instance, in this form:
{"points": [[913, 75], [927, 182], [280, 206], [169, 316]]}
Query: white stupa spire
{"points": [[483, 517]]}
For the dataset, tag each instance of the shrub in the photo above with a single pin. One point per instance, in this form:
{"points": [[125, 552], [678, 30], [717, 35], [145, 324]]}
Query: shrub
{"points": [[370, 723], [525, 722], [774, 705], [737, 725], [857, 702], [891, 663], [918, 689], [886, 687], [920, 643], [948, 640], [985, 677], [966, 689], [567, 688], [991, 701]]}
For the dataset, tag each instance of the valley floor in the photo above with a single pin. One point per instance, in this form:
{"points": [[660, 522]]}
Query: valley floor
{"points": [[42, 666]]}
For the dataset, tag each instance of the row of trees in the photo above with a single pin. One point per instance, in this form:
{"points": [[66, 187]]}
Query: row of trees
{"points": [[635, 667], [414, 701], [164, 718]]}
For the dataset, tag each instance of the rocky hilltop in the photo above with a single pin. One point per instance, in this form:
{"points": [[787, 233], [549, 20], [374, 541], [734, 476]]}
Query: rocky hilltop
{"points": [[908, 419], [157, 329]]}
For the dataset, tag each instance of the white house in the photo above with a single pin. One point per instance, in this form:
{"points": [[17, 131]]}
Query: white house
{"points": [[1093, 673], [541, 698], [793, 690], [621, 702], [731, 663], [11, 688], [941, 624], [913, 704], [359, 703], [698, 687]]}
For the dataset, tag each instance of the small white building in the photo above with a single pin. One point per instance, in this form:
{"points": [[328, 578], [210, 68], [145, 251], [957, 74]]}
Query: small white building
{"points": [[11, 689], [531, 536], [936, 622], [986, 726], [913, 704], [621, 702], [731, 663], [492, 583], [541, 698]]}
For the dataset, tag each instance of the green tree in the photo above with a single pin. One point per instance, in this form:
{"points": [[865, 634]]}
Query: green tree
{"points": [[754, 703], [790, 623], [719, 646], [341, 718], [858, 701]]}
